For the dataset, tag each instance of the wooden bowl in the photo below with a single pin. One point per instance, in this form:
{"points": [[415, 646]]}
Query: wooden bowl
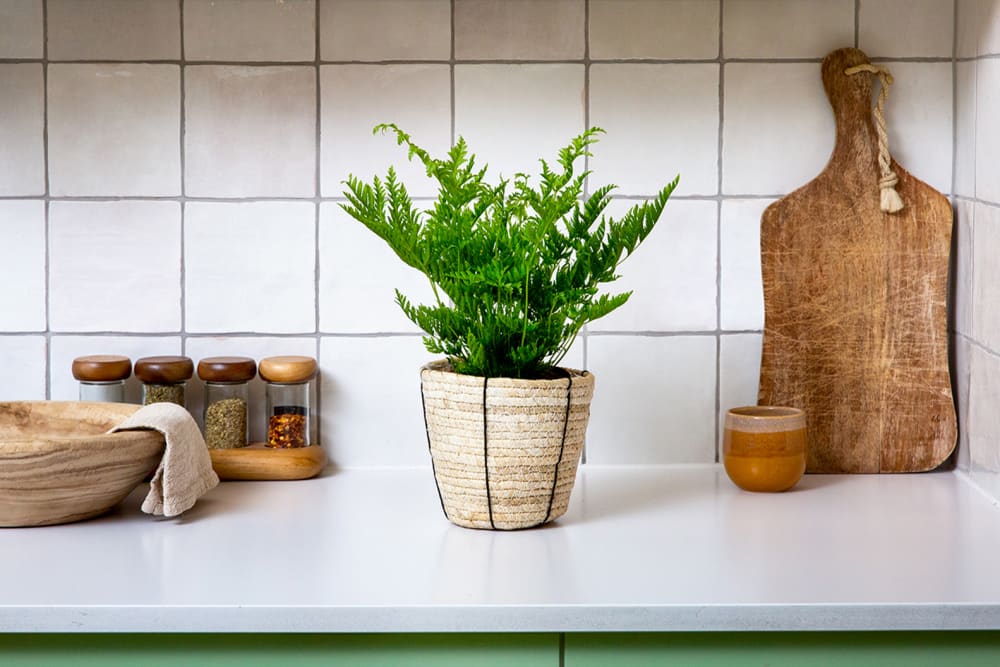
{"points": [[58, 463]]}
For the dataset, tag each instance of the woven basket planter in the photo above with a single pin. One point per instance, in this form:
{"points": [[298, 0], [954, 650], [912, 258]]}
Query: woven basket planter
{"points": [[504, 451]]}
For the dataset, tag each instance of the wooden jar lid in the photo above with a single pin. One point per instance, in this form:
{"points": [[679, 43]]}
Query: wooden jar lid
{"points": [[227, 369], [164, 370], [102, 368], [287, 369]]}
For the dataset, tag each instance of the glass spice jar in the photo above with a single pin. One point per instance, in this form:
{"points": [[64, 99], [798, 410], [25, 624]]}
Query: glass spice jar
{"points": [[227, 396], [164, 378], [287, 392], [102, 377]]}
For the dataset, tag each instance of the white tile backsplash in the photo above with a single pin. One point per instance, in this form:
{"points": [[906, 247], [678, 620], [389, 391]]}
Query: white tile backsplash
{"points": [[960, 378], [519, 30], [113, 30], [250, 267], [358, 276], [115, 266], [778, 132], [893, 28], [22, 149], [22, 237], [986, 276], [654, 399], [661, 120], [984, 418], [962, 288], [742, 289], [250, 30], [512, 115], [965, 129], [65, 348], [989, 27], [21, 29], [672, 275], [786, 28], [250, 131], [636, 29], [987, 132], [114, 130], [739, 373], [356, 98], [23, 376], [371, 30]]}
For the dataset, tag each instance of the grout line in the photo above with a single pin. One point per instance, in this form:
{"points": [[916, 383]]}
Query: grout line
{"points": [[316, 422], [182, 136], [585, 337], [857, 24], [718, 232], [337, 199], [46, 224], [979, 344], [954, 98], [451, 71]]}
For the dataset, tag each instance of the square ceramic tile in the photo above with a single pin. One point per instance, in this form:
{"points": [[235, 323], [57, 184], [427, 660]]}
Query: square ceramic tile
{"points": [[967, 28], [666, 29], [21, 32], [358, 276], [24, 358], [739, 373], [960, 374], [356, 98], [250, 131], [661, 120], [786, 28], [114, 130], [22, 237], [965, 129], [963, 270], [502, 30], [989, 27], [64, 349], [984, 418], [741, 283], [986, 276], [512, 115], [22, 117], [988, 130], [671, 275], [200, 347], [654, 399], [371, 401], [250, 267], [114, 30], [115, 266], [906, 28], [919, 118], [357, 30], [778, 131], [258, 30]]}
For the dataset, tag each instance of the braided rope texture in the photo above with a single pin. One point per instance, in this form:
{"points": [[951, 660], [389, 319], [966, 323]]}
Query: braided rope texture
{"points": [[525, 425]]}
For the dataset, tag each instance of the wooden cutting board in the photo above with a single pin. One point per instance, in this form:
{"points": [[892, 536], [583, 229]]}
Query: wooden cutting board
{"points": [[855, 328]]}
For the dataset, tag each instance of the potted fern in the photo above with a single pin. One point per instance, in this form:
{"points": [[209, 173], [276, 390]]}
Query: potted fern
{"points": [[515, 269]]}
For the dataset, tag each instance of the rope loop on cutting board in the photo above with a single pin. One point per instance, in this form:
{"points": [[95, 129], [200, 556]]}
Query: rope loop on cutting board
{"points": [[890, 201]]}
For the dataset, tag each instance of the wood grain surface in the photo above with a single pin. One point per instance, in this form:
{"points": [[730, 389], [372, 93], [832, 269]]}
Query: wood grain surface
{"points": [[855, 325], [258, 462]]}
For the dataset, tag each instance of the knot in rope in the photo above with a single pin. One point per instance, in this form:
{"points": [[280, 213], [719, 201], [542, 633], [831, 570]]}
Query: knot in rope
{"points": [[890, 201]]}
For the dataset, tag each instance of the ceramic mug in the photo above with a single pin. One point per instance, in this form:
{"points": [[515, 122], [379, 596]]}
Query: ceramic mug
{"points": [[764, 447]]}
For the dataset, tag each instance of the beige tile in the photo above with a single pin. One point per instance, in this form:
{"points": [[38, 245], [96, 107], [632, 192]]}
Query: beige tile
{"points": [[988, 130], [965, 129], [519, 29], [962, 288], [113, 30], [654, 29], [986, 276], [989, 27], [250, 131], [359, 30], [23, 377], [906, 28], [967, 30], [114, 130], [786, 28], [22, 149], [250, 267], [512, 115], [115, 266], [984, 418], [257, 30], [742, 286], [671, 275], [779, 130], [661, 120], [654, 400], [739, 373], [355, 98], [22, 237], [21, 29], [65, 348]]}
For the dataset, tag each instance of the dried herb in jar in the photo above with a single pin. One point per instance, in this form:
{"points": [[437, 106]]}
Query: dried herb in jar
{"points": [[286, 427], [164, 393], [226, 424]]}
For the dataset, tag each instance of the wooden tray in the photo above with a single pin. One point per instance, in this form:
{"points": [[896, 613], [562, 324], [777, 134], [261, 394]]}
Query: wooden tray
{"points": [[258, 462]]}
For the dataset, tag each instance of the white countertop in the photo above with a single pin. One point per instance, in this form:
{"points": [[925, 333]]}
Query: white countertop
{"points": [[661, 548]]}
